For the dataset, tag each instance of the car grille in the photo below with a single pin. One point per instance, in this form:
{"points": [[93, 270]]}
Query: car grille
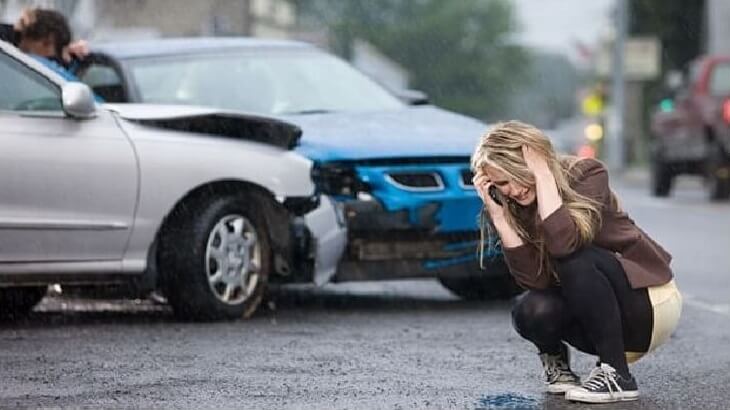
{"points": [[416, 181], [466, 178]]}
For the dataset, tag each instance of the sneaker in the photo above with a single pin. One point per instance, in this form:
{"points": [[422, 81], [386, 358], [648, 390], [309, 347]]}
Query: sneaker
{"points": [[559, 377], [604, 385]]}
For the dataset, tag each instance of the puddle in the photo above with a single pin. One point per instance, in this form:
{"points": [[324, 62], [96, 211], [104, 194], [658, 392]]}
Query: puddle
{"points": [[507, 401]]}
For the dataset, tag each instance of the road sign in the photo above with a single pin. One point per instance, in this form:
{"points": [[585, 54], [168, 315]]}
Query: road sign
{"points": [[641, 59]]}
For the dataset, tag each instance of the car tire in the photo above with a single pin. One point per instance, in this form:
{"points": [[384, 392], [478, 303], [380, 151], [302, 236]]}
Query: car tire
{"points": [[498, 285], [18, 302], [215, 258], [661, 177], [718, 173]]}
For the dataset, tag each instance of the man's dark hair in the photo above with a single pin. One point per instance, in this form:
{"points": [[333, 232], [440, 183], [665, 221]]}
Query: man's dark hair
{"points": [[49, 23]]}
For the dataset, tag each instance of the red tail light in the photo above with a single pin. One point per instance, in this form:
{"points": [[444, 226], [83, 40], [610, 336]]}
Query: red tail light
{"points": [[726, 111]]}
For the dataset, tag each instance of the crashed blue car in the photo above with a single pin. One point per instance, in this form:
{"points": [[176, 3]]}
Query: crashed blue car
{"points": [[393, 173]]}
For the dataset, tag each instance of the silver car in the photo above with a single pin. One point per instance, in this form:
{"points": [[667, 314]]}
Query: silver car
{"points": [[204, 201]]}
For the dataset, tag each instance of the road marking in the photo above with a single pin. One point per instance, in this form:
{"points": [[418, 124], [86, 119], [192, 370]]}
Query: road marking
{"points": [[720, 308]]}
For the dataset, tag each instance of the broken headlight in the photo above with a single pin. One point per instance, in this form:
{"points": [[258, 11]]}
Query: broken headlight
{"points": [[338, 180]]}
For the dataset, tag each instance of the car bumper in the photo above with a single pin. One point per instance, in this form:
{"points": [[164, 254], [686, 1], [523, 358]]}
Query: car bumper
{"points": [[384, 244]]}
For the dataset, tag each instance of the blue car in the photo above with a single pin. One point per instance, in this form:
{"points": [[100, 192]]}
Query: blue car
{"points": [[393, 171]]}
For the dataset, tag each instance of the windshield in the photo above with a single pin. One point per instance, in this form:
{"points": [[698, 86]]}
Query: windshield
{"points": [[267, 83]]}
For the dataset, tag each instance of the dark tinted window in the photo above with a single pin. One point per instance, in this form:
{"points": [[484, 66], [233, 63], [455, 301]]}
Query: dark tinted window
{"points": [[105, 81]]}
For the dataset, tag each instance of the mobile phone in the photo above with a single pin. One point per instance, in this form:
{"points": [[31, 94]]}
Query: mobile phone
{"points": [[495, 195]]}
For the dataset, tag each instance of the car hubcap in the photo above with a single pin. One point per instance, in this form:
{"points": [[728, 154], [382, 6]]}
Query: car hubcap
{"points": [[233, 259]]}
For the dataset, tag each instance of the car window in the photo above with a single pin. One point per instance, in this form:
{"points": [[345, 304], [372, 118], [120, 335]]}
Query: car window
{"points": [[22, 89], [720, 80], [105, 81]]}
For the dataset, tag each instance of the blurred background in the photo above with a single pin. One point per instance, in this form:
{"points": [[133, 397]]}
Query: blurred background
{"points": [[533, 60]]}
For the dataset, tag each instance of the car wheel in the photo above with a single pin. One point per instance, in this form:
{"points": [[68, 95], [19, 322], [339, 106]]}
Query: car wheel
{"points": [[718, 173], [215, 258], [661, 177], [18, 302], [498, 285]]}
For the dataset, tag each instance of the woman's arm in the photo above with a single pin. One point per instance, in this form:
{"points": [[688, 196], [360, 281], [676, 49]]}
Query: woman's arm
{"points": [[523, 260], [562, 236], [546, 190]]}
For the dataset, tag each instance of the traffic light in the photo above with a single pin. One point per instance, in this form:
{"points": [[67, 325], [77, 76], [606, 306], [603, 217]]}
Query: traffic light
{"points": [[666, 105]]}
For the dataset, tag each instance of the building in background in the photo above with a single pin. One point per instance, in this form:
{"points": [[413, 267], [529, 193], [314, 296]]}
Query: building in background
{"points": [[717, 29], [126, 19]]}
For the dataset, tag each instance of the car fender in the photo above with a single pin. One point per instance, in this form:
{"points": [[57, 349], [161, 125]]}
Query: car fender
{"points": [[172, 164]]}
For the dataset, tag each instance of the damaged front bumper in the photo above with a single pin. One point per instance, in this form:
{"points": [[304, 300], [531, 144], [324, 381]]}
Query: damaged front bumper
{"points": [[371, 225], [387, 245]]}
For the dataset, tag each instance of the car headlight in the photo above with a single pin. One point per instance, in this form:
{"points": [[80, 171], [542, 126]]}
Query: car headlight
{"points": [[338, 180]]}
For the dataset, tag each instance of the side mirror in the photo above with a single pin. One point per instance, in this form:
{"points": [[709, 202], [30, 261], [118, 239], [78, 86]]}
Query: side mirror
{"points": [[78, 100], [413, 97]]}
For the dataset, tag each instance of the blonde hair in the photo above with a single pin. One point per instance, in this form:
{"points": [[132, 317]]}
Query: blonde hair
{"points": [[501, 148]]}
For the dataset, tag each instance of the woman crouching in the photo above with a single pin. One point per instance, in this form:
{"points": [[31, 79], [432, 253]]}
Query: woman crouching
{"points": [[595, 280]]}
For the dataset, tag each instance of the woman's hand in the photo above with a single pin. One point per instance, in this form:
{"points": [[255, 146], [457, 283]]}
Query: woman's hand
{"points": [[482, 184], [535, 162], [507, 234], [546, 190]]}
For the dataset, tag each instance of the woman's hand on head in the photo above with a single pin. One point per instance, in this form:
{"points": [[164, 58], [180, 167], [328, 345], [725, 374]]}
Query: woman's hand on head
{"points": [[482, 184], [535, 162]]}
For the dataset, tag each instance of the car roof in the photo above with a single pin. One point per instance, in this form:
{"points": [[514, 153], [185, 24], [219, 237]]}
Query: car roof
{"points": [[192, 45]]}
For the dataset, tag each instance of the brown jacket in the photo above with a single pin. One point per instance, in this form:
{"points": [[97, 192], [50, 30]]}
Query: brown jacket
{"points": [[645, 262]]}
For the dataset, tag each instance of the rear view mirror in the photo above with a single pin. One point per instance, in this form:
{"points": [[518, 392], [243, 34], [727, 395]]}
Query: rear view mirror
{"points": [[78, 100], [412, 97]]}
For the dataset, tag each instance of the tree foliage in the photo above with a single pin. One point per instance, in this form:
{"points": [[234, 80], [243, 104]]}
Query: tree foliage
{"points": [[677, 23], [459, 52]]}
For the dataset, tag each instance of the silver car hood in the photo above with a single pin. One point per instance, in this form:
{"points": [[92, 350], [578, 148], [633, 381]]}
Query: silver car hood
{"points": [[202, 120]]}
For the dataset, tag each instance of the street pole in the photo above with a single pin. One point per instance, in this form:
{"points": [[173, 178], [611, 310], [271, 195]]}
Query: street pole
{"points": [[616, 152]]}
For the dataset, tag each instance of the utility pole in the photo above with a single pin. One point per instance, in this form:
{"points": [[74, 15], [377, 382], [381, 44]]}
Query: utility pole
{"points": [[247, 17], [615, 141]]}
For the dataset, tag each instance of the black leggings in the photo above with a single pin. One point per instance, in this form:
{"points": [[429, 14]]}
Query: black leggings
{"points": [[595, 310]]}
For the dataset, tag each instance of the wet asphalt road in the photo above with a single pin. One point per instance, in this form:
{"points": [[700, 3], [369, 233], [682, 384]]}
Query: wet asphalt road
{"points": [[375, 345]]}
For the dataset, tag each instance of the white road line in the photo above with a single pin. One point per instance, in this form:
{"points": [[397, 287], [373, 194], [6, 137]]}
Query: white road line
{"points": [[720, 308]]}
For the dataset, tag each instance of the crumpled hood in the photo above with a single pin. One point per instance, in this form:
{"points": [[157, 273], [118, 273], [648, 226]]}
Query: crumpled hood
{"points": [[202, 120], [411, 132]]}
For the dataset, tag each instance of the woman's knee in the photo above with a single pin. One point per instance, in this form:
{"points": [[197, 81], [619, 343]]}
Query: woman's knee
{"points": [[535, 310]]}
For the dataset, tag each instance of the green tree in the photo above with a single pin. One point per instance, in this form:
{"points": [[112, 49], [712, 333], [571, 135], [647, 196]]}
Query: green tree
{"points": [[677, 23], [459, 52]]}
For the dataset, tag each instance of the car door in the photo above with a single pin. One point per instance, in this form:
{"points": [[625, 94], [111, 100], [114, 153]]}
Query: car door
{"points": [[68, 187], [104, 76]]}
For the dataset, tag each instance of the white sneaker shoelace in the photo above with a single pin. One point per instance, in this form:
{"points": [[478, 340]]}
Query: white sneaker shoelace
{"points": [[556, 370], [601, 376]]}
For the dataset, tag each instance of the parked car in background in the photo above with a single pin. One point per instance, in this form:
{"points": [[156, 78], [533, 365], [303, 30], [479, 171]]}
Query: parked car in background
{"points": [[398, 173], [203, 202], [692, 131]]}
